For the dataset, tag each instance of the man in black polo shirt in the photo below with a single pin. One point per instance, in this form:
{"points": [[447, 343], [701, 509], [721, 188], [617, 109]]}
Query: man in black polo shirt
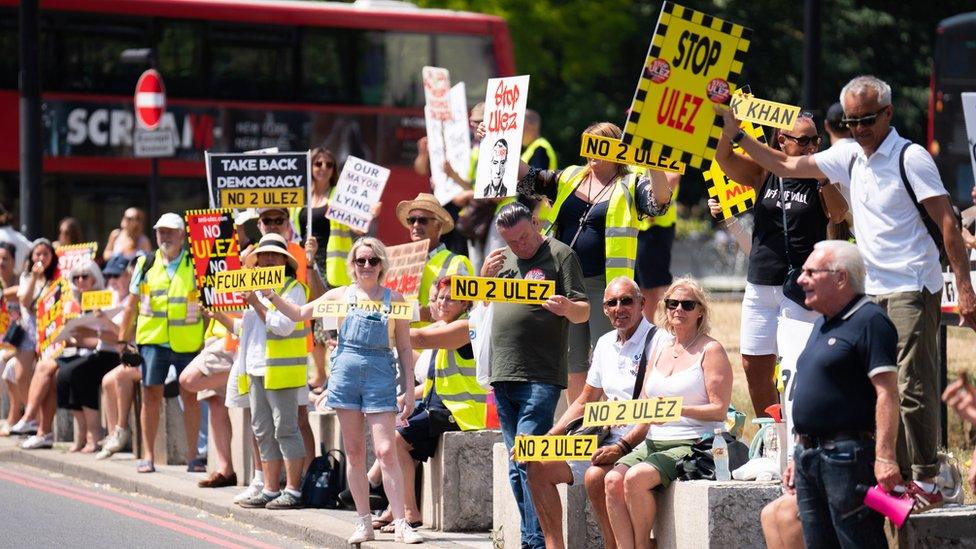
{"points": [[845, 408]]}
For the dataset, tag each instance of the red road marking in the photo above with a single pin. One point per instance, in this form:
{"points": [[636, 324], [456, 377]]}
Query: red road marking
{"points": [[129, 508]]}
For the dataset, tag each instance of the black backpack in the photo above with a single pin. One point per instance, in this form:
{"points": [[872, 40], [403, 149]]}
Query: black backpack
{"points": [[325, 478], [700, 465]]}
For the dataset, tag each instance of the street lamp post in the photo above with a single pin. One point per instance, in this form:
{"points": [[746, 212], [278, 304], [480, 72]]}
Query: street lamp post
{"points": [[30, 122]]}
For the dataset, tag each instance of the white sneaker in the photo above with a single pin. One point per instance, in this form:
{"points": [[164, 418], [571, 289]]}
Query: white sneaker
{"points": [[37, 442], [404, 533], [24, 428], [252, 491], [119, 440], [364, 530]]}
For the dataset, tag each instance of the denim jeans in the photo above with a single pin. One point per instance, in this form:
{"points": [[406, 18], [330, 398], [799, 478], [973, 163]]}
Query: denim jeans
{"points": [[831, 509], [525, 408]]}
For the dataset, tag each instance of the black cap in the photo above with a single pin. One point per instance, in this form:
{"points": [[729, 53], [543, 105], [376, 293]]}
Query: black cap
{"points": [[834, 115], [115, 266]]}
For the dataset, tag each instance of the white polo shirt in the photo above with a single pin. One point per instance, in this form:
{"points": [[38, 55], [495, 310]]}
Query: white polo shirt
{"points": [[899, 253], [614, 366]]}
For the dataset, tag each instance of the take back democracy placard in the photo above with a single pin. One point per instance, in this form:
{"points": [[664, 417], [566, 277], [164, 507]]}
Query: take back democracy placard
{"points": [[613, 150], [250, 279], [498, 155], [626, 412], [734, 198], [690, 61], [277, 180], [504, 290], [214, 248], [554, 447], [360, 186]]}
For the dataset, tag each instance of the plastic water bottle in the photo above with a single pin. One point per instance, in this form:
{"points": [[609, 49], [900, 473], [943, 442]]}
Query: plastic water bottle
{"points": [[720, 454]]}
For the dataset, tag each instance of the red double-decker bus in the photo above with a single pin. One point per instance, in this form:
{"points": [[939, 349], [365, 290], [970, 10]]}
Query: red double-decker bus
{"points": [[239, 75]]}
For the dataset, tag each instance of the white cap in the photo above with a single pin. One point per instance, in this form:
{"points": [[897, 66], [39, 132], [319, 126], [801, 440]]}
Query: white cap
{"points": [[170, 221]]}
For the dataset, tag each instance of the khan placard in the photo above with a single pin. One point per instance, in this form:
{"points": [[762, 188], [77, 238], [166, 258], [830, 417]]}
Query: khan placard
{"points": [[214, 248], [245, 280], [498, 157], [360, 186], [504, 290], [690, 61], [278, 180], [761, 111], [398, 310]]}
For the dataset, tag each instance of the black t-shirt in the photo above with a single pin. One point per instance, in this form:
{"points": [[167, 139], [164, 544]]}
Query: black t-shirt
{"points": [[833, 390], [807, 226], [590, 246], [320, 230]]}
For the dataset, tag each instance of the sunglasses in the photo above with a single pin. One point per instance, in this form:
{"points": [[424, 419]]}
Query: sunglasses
{"points": [[686, 304], [327, 164], [273, 221], [803, 140], [419, 219], [866, 121], [80, 277], [623, 301], [810, 272], [362, 261]]}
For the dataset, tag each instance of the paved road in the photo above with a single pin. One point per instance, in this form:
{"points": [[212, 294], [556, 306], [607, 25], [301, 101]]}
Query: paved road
{"points": [[44, 510]]}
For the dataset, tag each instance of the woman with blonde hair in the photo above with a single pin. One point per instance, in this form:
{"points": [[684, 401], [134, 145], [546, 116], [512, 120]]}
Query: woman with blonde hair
{"points": [[362, 387], [695, 367]]}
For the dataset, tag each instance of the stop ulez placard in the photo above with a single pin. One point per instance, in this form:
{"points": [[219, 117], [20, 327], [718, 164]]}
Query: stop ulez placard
{"points": [[627, 412], [555, 447], [503, 290], [249, 279]]}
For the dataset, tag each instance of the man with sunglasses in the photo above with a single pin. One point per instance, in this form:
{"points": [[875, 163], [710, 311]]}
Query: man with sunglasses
{"points": [[878, 172], [426, 219]]}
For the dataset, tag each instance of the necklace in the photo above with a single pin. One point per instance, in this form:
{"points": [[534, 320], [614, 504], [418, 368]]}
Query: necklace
{"points": [[590, 202], [674, 346]]}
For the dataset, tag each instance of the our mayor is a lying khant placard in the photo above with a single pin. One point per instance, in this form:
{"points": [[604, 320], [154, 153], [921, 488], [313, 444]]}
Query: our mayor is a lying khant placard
{"points": [[214, 248], [240, 180], [498, 156], [360, 186], [449, 140], [689, 63]]}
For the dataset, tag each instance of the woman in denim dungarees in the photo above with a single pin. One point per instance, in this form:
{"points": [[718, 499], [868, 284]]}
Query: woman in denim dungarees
{"points": [[362, 384]]}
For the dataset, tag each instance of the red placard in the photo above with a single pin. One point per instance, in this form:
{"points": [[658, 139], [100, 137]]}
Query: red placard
{"points": [[214, 248]]}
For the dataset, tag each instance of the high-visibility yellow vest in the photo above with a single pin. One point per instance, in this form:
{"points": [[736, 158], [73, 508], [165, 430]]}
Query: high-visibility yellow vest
{"points": [[455, 382], [286, 357], [336, 249], [623, 220], [443, 263], [540, 142], [164, 305]]}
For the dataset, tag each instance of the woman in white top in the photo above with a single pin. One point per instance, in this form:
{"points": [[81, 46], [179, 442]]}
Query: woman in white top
{"points": [[694, 367]]}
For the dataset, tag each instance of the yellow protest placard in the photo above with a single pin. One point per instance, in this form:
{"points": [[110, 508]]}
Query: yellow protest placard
{"points": [[554, 447], [612, 150], [399, 310], [98, 299], [626, 412], [262, 198], [761, 111], [243, 280], [734, 198], [504, 290], [690, 61]]}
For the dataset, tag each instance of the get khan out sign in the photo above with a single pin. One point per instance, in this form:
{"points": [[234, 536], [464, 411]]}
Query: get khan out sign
{"points": [[279, 180]]}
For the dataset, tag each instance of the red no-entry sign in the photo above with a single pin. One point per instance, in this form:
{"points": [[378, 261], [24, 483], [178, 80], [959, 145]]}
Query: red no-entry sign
{"points": [[150, 99]]}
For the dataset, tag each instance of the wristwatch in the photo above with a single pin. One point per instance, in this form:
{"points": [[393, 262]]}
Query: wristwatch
{"points": [[738, 136]]}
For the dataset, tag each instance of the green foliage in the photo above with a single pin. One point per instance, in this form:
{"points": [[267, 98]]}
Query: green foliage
{"points": [[584, 55]]}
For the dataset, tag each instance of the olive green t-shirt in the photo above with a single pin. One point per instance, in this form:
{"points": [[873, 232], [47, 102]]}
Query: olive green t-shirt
{"points": [[528, 343]]}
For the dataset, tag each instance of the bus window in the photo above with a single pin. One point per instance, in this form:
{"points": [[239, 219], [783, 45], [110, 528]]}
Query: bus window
{"points": [[8, 50], [469, 58], [88, 52], [389, 68], [251, 63], [326, 66], [180, 55], [960, 56]]}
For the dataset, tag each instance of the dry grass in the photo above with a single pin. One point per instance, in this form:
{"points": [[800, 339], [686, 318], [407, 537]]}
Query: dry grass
{"points": [[961, 346]]}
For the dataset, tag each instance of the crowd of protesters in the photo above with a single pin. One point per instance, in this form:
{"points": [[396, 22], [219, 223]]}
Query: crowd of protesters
{"points": [[618, 327]]}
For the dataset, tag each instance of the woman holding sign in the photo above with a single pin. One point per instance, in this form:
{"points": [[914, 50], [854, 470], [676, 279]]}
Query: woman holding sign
{"points": [[778, 251], [694, 367], [362, 388], [597, 209]]}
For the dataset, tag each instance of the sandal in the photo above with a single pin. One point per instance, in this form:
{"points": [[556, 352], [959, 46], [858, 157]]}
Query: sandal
{"points": [[379, 524], [145, 466], [196, 466]]}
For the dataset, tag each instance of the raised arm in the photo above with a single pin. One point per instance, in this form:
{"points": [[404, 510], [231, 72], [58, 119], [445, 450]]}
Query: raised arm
{"points": [[653, 192], [718, 385], [739, 168], [800, 167], [110, 245]]}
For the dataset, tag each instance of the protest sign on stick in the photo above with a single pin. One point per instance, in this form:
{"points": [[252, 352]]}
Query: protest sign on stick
{"points": [[406, 268], [51, 318], [214, 248], [72, 255], [689, 63], [761, 111], [449, 140], [360, 186], [240, 180], [498, 157], [734, 198]]}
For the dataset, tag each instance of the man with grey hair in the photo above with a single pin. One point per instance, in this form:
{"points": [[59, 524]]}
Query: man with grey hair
{"points": [[845, 404], [902, 214], [529, 343]]}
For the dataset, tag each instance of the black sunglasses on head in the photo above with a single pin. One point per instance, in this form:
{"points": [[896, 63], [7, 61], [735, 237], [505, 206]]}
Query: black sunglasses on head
{"points": [[362, 261], [686, 304], [623, 301]]}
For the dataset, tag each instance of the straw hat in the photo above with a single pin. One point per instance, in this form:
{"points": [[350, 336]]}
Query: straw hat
{"points": [[426, 202], [273, 243]]}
